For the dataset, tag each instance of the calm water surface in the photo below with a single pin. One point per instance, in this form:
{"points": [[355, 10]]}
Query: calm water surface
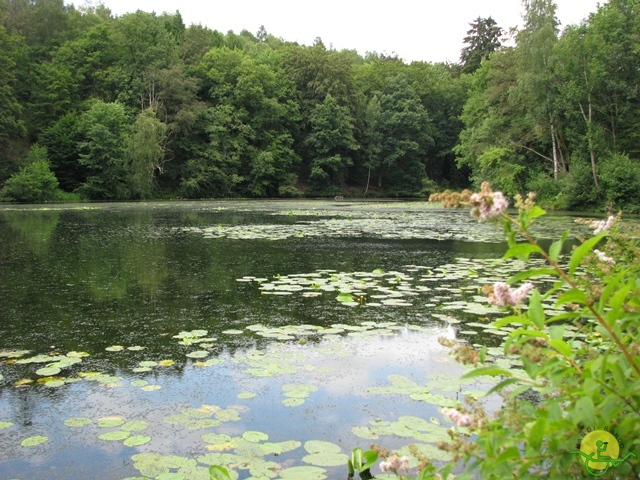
{"points": [[85, 278]]}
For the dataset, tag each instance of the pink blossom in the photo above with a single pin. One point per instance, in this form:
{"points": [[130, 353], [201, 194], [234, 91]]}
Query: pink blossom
{"points": [[604, 258], [487, 203], [457, 417], [503, 294], [395, 463], [600, 226]]}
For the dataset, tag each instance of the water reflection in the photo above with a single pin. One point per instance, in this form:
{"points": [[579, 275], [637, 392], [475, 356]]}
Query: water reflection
{"points": [[84, 280]]}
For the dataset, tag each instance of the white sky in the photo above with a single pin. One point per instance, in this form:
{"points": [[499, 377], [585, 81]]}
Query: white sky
{"points": [[428, 30]]}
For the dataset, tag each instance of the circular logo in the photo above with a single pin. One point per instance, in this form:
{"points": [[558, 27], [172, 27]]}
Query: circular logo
{"points": [[600, 444]]}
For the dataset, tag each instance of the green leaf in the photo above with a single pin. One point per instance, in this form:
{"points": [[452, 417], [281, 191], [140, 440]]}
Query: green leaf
{"points": [[489, 370], [556, 247], [582, 251], [536, 312], [572, 296], [34, 441], [556, 332], [510, 320], [522, 250], [535, 272], [501, 385], [561, 346], [217, 472], [535, 212]]}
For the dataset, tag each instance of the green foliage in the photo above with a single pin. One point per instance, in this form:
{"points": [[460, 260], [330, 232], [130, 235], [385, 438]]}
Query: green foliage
{"points": [[620, 182], [105, 128], [569, 384], [481, 41], [35, 182]]}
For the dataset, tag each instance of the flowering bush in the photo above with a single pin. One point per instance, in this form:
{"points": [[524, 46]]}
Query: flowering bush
{"points": [[570, 382]]}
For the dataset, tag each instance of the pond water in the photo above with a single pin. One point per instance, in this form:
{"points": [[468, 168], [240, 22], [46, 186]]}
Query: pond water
{"points": [[152, 340]]}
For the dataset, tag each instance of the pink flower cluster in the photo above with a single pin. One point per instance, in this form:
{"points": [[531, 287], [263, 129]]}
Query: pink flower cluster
{"points": [[395, 463], [600, 226], [488, 204], [503, 294], [604, 258], [457, 417]]}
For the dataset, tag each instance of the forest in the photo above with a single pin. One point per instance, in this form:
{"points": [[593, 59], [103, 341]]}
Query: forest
{"points": [[140, 106]]}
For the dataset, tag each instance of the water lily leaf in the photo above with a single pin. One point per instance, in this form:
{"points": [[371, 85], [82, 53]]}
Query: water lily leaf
{"points": [[13, 353], [151, 388], [48, 371], [114, 435], [23, 382], [107, 422], [303, 473], [326, 459], [5, 425], [54, 383], [166, 363], [246, 395], [227, 415], [281, 447], [148, 363], [137, 440], [136, 348], [215, 438], [199, 354], [34, 441], [292, 402], [77, 354], [139, 383], [134, 426], [141, 369], [320, 446], [78, 422], [364, 432], [115, 348], [254, 437]]}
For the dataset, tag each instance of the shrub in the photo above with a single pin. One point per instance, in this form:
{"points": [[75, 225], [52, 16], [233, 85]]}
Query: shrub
{"points": [[35, 182]]}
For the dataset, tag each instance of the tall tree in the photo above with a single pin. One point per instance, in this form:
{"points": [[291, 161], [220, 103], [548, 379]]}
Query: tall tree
{"points": [[483, 38]]}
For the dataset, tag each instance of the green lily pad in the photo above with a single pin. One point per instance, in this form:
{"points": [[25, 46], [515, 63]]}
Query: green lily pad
{"points": [[148, 363], [303, 473], [77, 354], [151, 388], [320, 446], [199, 354], [246, 395], [135, 348], [115, 435], [139, 383], [166, 363], [326, 459], [115, 348], [48, 371], [134, 426], [34, 441], [227, 415], [5, 425], [54, 383], [255, 437], [108, 422], [215, 438], [78, 422], [137, 440], [292, 402]]}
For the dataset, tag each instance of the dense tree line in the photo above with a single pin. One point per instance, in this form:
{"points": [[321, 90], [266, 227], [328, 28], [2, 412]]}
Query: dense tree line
{"points": [[142, 106]]}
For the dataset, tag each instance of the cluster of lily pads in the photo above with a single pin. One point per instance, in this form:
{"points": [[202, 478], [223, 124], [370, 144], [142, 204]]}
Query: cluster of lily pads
{"points": [[418, 221]]}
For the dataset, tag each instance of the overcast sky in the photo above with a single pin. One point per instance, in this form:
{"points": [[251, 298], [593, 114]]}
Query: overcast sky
{"points": [[429, 30]]}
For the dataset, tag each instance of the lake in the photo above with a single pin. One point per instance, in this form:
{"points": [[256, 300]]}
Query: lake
{"points": [[152, 340]]}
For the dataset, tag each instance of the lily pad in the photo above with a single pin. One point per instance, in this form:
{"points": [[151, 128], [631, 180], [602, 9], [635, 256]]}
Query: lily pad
{"points": [[199, 354], [34, 441], [326, 459], [5, 425], [246, 395], [115, 435], [78, 422], [108, 422], [48, 371], [134, 426], [151, 388], [137, 440], [303, 473], [115, 348], [255, 437]]}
